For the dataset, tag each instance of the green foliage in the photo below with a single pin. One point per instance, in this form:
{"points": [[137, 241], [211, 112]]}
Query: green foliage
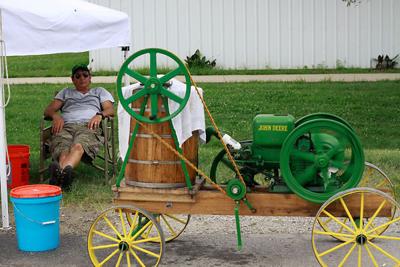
{"points": [[340, 65], [197, 60], [385, 62]]}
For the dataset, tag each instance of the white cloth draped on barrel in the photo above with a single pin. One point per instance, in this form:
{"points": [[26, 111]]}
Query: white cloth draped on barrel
{"points": [[190, 119]]}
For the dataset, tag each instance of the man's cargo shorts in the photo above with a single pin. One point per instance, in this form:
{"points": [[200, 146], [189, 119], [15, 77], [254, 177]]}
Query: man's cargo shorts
{"points": [[77, 133]]}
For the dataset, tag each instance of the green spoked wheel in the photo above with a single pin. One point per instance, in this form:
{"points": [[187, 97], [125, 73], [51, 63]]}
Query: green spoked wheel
{"points": [[172, 225], [373, 177], [322, 115], [321, 158], [362, 244], [113, 241], [154, 86], [222, 169]]}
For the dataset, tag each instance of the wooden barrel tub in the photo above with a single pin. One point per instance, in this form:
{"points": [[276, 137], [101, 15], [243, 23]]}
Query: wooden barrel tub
{"points": [[151, 164]]}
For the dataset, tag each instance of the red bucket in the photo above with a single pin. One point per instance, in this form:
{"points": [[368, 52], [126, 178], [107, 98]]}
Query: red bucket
{"points": [[19, 158]]}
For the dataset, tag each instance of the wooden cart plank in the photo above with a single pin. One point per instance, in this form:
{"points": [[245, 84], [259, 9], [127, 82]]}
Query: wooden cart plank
{"points": [[216, 203], [135, 193]]}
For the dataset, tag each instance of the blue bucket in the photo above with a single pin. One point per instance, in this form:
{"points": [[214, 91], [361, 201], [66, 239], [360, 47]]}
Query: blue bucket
{"points": [[37, 212]]}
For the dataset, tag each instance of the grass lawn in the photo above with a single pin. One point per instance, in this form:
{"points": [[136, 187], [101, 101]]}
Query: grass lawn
{"points": [[372, 108], [55, 65], [59, 65]]}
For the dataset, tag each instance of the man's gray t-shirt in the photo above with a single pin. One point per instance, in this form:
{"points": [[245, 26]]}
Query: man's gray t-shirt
{"points": [[78, 107]]}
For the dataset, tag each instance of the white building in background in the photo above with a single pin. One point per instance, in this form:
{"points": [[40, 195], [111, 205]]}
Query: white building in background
{"points": [[258, 34]]}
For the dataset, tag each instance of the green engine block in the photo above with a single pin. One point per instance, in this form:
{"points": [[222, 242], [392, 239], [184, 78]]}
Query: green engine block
{"points": [[314, 157], [270, 131]]}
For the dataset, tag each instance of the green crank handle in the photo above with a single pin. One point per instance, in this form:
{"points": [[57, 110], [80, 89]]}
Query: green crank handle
{"points": [[238, 233]]}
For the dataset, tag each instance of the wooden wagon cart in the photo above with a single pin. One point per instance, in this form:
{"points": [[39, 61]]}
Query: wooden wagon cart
{"points": [[310, 167]]}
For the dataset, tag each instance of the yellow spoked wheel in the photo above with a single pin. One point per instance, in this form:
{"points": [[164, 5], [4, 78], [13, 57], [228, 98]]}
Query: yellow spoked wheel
{"points": [[373, 177], [376, 178], [113, 241], [363, 245], [171, 224]]}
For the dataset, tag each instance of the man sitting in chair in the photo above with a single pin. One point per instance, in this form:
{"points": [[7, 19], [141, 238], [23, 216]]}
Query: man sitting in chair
{"points": [[76, 131]]}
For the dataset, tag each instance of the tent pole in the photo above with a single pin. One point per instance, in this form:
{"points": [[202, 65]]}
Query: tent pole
{"points": [[125, 50], [3, 145]]}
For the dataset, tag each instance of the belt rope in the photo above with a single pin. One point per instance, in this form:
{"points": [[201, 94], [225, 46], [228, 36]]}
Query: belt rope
{"points": [[147, 129], [217, 130]]}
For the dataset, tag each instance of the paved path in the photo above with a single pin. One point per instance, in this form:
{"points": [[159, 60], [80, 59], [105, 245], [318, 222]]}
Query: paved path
{"points": [[273, 250], [207, 241], [236, 78]]}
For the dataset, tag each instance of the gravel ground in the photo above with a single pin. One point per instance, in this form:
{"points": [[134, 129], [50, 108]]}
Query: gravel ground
{"points": [[78, 220]]}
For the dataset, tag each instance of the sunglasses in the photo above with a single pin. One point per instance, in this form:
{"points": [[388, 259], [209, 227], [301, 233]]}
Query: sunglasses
{"points": [[78, 75]]}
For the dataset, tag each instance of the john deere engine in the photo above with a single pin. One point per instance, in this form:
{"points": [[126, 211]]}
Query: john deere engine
{"points": [[314, 157], [269, 133]]}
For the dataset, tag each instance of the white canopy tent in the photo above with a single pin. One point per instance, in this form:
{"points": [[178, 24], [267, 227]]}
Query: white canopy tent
{"points": [[52, 26]]}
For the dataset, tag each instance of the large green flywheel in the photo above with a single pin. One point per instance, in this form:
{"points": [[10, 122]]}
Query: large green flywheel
{"points": [[322, 115], [154, 85], [320, 158]]}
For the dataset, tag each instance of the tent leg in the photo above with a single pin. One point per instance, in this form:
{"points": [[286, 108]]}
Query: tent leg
{"points": [[3, 145], [3, 174]]}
